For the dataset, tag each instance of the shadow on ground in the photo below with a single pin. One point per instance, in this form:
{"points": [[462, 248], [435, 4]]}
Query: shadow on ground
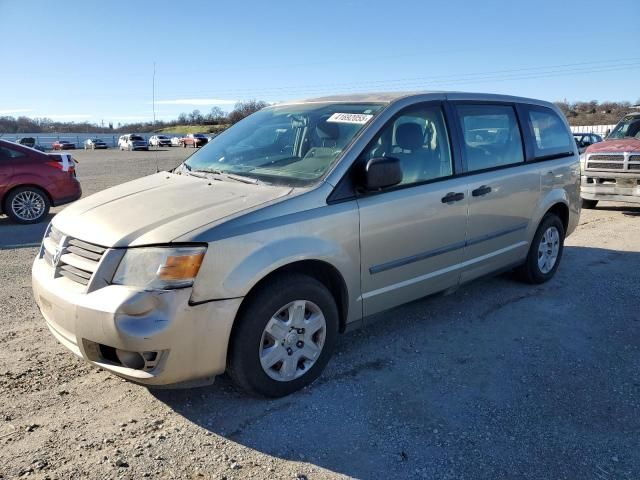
{"points": [[13, 235], [498, 380], [627, 210]]}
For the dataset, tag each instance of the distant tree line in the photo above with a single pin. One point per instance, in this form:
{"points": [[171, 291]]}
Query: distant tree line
{"points": [[594, 112], [577, 113], [214, 118]]}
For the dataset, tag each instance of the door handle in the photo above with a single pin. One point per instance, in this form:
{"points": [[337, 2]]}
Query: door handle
{"points": [[480, 191], [453, 197]]}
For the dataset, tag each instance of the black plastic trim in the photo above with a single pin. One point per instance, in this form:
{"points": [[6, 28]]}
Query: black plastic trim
{"points": [[442, 250]]}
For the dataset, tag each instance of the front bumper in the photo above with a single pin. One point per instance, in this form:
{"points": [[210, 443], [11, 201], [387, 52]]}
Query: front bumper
{"points": [[610, 186], [179, 342]]}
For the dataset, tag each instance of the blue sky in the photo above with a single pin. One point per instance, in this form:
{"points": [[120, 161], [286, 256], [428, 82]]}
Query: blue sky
{"points": [[90, 60]]}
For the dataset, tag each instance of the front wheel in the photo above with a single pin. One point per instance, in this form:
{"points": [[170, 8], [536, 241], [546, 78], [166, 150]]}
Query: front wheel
{"points": [[588, 204], [545, 252], [27, 205], [284, 336]]}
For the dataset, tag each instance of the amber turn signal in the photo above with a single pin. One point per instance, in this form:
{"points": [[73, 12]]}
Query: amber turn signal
{"points": [[181, 267]]}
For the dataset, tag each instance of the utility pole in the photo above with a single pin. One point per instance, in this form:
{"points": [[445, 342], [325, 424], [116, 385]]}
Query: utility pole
{"points": [[153, 95]]}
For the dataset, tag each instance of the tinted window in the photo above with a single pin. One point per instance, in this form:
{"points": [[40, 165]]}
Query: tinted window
{"points": [[550, 133], [418, 138], [9, 153], [491, 136]]}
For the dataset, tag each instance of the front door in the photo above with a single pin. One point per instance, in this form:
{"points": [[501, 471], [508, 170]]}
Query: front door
{"points": [[412, 235]]}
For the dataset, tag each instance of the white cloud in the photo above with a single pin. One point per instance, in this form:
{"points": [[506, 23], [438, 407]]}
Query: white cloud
{"points": [[196, 101], [12, 111]]}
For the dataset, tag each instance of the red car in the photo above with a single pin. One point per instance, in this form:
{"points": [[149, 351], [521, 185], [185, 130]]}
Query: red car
{"points": [[195, 140], [63, 145], [32, 181]]}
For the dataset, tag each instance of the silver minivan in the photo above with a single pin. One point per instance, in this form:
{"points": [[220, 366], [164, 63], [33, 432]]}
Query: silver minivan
{"points": [[297, 224]]}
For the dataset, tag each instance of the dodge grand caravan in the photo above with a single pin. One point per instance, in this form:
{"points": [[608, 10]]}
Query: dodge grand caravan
{"points": [[299, 222]]}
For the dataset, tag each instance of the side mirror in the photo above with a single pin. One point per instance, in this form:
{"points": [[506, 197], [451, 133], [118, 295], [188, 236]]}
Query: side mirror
{"points": [[381, 172]]}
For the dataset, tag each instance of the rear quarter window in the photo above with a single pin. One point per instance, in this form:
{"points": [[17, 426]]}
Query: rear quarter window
{"points": [[9, 153], [550, 134]]}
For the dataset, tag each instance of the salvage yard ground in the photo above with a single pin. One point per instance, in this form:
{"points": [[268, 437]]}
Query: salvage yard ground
{"points": [[499, 380]]}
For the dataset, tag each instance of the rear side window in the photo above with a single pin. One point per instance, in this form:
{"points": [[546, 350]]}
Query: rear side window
{"points": [[550, 133], [9, 153], [491, 136]]}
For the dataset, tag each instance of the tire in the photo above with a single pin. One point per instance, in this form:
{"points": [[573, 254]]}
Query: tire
{"points": [[550, 235], [588, 204], [250, 340], [17, 209]]}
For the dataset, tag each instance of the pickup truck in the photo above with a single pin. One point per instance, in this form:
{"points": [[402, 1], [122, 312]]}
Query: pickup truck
{"points": [[610, 170], [194, 140]]}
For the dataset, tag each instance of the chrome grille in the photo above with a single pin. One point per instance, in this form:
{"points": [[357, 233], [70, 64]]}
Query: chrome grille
{"points": [[607, 165], [613, 161], [70, 257], [607, 158]]}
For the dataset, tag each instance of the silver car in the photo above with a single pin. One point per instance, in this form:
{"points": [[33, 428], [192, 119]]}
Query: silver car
{"points": [[297, 224]]}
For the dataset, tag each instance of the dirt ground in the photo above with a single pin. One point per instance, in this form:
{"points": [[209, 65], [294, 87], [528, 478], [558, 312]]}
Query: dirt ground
{"points": [[499, 380]]}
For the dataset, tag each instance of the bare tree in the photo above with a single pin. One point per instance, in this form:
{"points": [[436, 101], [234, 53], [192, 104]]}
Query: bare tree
{"points": [[244, 109]]}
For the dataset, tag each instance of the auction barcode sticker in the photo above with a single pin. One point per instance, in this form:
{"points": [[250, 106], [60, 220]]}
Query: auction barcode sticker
{"points": [[359, 118]]}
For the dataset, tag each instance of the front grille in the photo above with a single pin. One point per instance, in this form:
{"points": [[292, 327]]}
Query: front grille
{"points": [[634, 166], [70, 257], [607, 165], [607, 158]]}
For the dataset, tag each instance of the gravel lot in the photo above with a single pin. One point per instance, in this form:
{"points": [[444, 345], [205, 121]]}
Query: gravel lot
{"points": [[499, 380]]}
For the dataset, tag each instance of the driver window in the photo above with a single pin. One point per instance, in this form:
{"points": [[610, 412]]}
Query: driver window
{"points": [[418, 138]]}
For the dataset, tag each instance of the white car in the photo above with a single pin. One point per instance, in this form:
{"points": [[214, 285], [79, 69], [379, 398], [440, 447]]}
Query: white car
{"points": [[159, 141], [94, 143], [132, 142], [176, 142]]}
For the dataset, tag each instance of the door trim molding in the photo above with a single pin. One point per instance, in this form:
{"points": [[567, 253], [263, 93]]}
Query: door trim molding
{"points": [[446, 249], [457, 266]]}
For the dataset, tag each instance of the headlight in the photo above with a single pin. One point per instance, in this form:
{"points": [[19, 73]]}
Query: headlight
{"points": [[159, 267]]}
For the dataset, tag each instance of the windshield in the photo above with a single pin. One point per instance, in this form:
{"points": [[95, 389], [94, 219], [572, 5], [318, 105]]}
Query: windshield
{"points": [[628, 127], [289, 144], [136, 138]]}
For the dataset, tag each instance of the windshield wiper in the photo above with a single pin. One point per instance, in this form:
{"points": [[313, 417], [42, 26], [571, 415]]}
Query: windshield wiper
{"points": [[232, 176]]}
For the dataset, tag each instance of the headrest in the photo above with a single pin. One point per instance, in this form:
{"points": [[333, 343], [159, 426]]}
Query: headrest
{"points": [[327, 131], [409, 136]]}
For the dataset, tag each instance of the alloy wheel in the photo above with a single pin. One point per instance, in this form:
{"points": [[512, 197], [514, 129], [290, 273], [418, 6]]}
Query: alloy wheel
{"points": [[28, 205]]}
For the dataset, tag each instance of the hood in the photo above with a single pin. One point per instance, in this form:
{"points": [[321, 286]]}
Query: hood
{"points": [[617, 145], [159, 208]]}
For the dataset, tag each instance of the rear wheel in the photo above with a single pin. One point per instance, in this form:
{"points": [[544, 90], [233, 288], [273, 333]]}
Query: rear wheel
{"points": [[284, 337], [588, 204], [27, 205], [545, 252]]}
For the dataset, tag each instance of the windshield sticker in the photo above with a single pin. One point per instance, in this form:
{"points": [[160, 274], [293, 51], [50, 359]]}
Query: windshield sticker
{"points": [[358, 118]]}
